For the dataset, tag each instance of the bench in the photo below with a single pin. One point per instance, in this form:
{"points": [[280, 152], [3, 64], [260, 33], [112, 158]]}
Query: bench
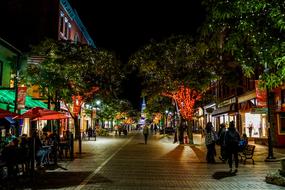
{"points": [[247, 153]]}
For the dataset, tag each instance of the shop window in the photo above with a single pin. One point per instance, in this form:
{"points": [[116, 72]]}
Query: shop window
{"points": [[282, 123]]}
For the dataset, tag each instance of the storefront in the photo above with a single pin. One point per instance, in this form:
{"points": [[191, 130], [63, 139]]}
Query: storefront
{"points": [[208, 110], [225, 113], [279, 100], [253, 119]]}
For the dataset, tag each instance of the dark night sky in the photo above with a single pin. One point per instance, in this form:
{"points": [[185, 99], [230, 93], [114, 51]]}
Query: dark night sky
{"points": [[125, 26]]}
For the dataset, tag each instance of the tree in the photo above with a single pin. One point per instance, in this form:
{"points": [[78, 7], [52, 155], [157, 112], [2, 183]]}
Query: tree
{"points": [[186, 99], [169, 65], [67, 69], [250, 33]]}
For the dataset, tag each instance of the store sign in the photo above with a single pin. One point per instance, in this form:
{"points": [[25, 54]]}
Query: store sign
{"points": [[259, 110], [21, 97], [227, 102], [261, 96]]}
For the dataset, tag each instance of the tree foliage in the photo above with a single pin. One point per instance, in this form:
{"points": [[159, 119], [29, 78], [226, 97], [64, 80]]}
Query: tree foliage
{"points": [[70, 69], [250, 33], [164, 66]]}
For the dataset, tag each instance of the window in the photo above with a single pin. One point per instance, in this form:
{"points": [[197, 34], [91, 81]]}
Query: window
{"points": [[282, 96], [65, 27], [76, 38], [69, 31], [282, 123], [61, 21]]}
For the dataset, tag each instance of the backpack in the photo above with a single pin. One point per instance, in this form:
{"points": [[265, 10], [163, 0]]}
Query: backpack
{"points": [[145, 130], [232, 138]]}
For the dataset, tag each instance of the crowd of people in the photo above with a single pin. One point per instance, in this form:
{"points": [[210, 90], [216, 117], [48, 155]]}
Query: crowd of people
{"points": [[230, 141]]}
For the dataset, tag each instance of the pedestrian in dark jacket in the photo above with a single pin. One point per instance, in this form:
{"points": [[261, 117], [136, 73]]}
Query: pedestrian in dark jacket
{"points": [[232, 139], [210, 143], [221, 142]]}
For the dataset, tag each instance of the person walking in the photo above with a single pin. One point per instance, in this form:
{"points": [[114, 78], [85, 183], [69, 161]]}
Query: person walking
{"points": [[221, 141], [232, 139], [145, 133], [210, 140]]}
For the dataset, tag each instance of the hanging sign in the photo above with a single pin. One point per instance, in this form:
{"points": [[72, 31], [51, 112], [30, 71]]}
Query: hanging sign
{"points": [[77, 100], [21, 97]]}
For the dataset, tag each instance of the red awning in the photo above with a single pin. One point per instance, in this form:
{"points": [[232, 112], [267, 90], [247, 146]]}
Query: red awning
{"points": [[39, 113], [6, 113], [54, 116]]}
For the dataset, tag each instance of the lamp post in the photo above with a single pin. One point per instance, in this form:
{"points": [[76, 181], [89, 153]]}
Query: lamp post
{"points": [[166, 114], [270, 156]]}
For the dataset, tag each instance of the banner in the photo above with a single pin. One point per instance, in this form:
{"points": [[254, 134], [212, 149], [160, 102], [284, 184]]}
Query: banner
{"points": [[261, 96], [77, 100], [21, 100]]}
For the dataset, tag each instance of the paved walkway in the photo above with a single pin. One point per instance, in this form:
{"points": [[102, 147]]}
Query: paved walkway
{"points": [[126, 163]]}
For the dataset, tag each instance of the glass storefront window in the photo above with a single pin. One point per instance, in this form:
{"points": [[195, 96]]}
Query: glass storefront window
{"points": [[255, 125]]}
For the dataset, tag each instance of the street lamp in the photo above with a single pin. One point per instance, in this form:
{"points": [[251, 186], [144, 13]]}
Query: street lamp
{"points": [[166, 113]]}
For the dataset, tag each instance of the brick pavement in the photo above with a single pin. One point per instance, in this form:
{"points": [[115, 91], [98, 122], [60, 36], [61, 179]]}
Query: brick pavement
{"points": [[126, 163]]}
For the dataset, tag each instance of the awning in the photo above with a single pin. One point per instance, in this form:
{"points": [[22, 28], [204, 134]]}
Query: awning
{"points": [[226, 109], [39, 113], [8, 97], [246, 106], [6, 113]]}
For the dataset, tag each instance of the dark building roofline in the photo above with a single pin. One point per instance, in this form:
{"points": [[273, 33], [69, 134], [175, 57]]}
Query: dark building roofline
{"points": [[9, 46], [73, 14]]}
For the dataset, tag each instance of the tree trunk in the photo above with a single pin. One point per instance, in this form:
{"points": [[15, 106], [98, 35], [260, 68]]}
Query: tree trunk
{"points": [[77, 133], [181, 131], [190, 132]]}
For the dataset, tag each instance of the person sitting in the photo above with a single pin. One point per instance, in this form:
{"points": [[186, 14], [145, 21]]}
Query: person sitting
{"points": [[243, 142], [41, 153]]}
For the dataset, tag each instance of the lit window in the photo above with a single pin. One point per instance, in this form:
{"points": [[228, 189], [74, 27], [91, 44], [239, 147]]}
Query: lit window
{"points": [[76, 38], [69, 31], [61, 21], [65, 27]]}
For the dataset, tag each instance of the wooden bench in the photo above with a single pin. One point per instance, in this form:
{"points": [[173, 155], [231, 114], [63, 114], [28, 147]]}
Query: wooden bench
{"points": [[247, 153]]}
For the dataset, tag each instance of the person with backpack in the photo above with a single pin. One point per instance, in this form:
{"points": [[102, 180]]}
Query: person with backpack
{"points": [[232, 139], [221, 142], [210, 141]]}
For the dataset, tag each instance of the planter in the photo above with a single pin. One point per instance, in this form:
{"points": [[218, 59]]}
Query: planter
{"points": [[283, 164], [282, 171]]}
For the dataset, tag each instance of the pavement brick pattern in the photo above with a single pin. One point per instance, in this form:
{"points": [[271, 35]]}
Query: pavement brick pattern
{"points": [[126, 163]]}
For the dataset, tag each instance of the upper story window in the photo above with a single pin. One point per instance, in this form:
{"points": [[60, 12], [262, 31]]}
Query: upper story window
{"points": [[61, 22], [65, 27], [76, 38], [69, 31]]}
